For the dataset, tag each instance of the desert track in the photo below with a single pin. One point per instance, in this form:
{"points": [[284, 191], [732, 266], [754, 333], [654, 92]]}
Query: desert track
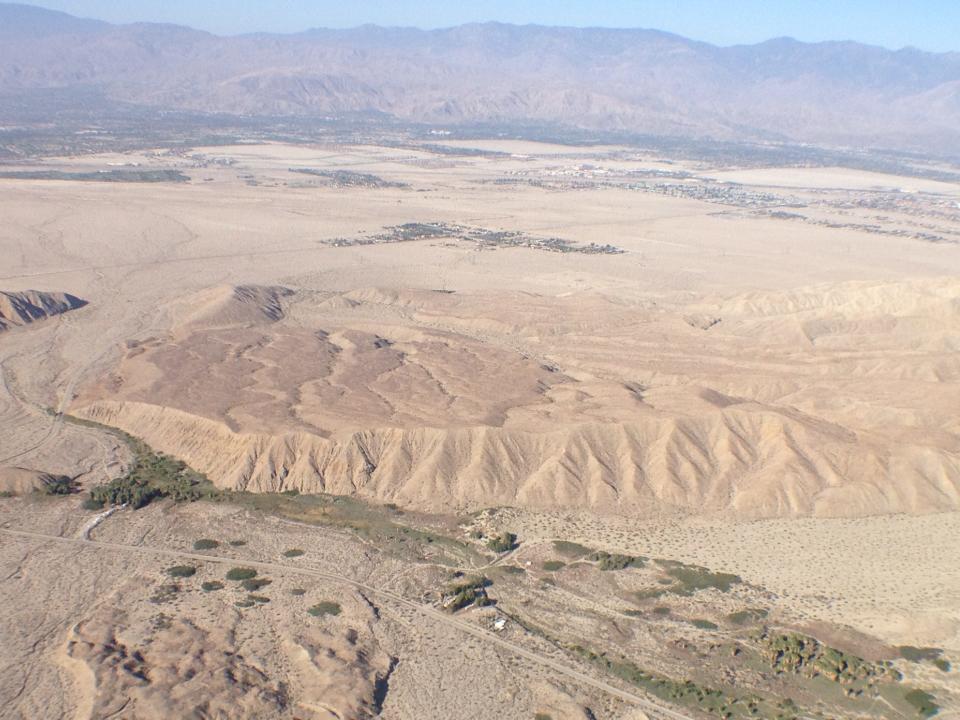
{"points": [[655, 710]]}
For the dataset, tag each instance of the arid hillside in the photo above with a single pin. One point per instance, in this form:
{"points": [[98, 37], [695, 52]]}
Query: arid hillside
{"points": [[637, 81]]}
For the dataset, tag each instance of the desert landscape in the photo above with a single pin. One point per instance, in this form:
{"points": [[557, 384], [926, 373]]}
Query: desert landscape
{"points": [[679, 381], [348, 416]]}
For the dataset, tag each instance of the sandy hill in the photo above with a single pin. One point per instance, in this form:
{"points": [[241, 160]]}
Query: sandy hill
{"points": [[233, 305], [783, 406], [22, 308]]}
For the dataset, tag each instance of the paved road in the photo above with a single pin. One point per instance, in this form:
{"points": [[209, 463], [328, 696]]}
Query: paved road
{"points": [[654, 709]]}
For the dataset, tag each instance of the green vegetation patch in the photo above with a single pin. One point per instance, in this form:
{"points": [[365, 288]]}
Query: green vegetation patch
{"points": [[205, 544], [942, 664], [238, 543], [748, 616], [293, 552], [212, 585], [465, 591], [182, 571], [60, 485], [607, 561], [924, 703], [553, 565], [151, 476], [704, 624], [689, 579], [298, 592], [325, 608], [254, 584], [259, 599], [241, 573], [504, 542]]}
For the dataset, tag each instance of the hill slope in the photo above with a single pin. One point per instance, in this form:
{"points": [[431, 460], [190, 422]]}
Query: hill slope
{"points": [[632, 80]]}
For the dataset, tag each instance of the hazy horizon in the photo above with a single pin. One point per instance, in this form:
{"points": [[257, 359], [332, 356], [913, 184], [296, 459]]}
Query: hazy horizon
{"points": [[883, 24]]}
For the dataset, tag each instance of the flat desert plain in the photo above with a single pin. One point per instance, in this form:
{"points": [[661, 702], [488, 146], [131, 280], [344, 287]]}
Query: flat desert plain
{"points": [[503, 430]]}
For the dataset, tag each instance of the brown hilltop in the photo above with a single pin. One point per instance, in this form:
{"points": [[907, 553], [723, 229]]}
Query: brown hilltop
{"points": [[23, 308]]}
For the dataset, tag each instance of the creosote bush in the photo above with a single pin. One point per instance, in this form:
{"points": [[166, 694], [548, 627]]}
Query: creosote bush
{"points": [[182, 571], [241, 573]]}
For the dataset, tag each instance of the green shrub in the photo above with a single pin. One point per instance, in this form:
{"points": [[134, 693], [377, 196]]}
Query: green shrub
{"points": [[261, 599], [245, 603], [182, 571], [60, 485], [91, 503], [238, 543], [924, 703], [553, 565], [691, 578], [704, 624], [298, 592], [606, 561], [661, 610], [292, 553], [211, 585], [748, 616], [504, 542], [241, 573], [254, 584], [205, 544], [324, 608], [942, 664]]}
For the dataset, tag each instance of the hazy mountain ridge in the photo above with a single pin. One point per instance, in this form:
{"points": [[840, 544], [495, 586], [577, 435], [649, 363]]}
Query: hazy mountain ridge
{"points": [[636, 80]]}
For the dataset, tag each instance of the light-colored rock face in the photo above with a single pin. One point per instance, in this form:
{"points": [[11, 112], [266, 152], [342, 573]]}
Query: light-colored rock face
{"points": [[23, 308], [768, 411]]}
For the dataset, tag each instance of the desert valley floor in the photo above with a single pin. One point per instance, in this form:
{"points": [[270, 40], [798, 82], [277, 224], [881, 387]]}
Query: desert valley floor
{"points": [[682, 439]]}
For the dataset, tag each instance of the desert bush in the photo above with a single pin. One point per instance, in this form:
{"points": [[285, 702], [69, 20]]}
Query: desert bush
{"points": [[504, 542], [238, 543], [241, 573], [661, 610], [293, 552], [211, 585], [704, 624], [691, 578], [182, 571], [298, 592], [205, 544], [60, 486], [553, 565], [747, 616], [91, 503], [924, 703], [607, 561], [324, 608], [254, 584]]}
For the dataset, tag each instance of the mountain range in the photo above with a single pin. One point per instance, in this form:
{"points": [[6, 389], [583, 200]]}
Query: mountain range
{"points": [[630, 80]]}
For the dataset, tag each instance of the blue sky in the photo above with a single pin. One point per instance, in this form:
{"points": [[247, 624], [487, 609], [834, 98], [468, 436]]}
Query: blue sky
{"points": [[927, 24]]}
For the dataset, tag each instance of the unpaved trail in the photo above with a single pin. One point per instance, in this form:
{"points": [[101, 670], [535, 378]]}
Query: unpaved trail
{"points": [[428, 612]]}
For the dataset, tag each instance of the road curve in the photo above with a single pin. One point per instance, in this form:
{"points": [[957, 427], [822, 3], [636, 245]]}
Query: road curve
{"points": [[655, 709]]}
